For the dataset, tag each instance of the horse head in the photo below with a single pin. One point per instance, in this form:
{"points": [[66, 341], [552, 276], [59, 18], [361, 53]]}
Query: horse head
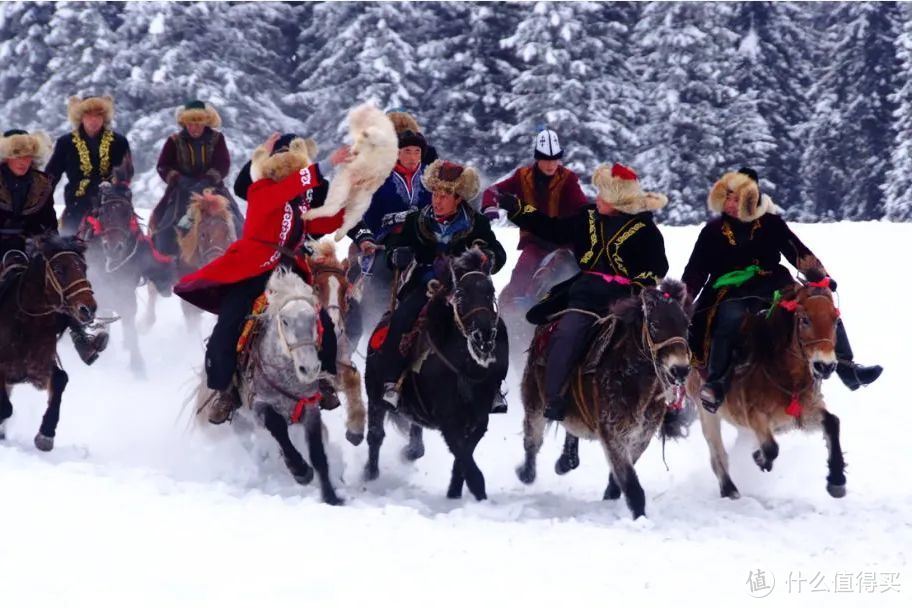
{"points": [[211, 231], [809, 316], [295, 327], [330, 282], [662, 315], [474, 303], [114, 222], [61, 261]]}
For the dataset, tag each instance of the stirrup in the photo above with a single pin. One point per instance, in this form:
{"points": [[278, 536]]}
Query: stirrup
{"points": [[499, 406], [709, 396], [391, 394]]}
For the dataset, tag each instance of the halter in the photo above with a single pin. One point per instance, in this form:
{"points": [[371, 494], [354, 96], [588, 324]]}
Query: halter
{"points": [[78, 286], [338, 272], [109, 268], [653, 348], [215, 250], [792, 306], [289, 348], [460, 319]]}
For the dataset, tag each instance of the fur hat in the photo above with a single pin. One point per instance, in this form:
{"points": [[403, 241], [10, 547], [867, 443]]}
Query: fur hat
{"points": [[620, 186], [403, 121], [285, 159], [447, 176], [17, 143], [751, 203], [412, 138], [197, 112], [91, 104], [547, 146]]}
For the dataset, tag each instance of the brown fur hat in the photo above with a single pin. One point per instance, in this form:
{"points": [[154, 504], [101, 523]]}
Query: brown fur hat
{"points": [[447, 176], [16, 144], [197, 112], [751, 204], [403, 121], [620, 186], [94, 104], [282, 163]]}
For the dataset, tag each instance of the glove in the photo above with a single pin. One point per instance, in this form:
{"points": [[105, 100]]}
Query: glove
{"points": [[393, 219], [402, 257], [508, 202]]}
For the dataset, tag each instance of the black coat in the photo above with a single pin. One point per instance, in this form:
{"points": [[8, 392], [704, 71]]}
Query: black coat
{"points": [[26, 207], [726, 244], [629, 246]]}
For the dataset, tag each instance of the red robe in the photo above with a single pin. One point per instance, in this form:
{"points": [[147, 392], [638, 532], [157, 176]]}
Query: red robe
{"points": [[269, 222]]}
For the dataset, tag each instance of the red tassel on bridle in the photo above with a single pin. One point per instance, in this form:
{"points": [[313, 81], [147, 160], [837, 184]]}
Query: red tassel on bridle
{"points": [[822, 283], [789, 305], [794, 407]]}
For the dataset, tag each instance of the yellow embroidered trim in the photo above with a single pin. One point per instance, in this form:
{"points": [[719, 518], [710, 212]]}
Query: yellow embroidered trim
{"points": [[616, 256], [593, 239], [754, 228], [85, 161], [727, 231]]}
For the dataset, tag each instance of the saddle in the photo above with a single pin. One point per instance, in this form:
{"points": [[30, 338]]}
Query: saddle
{"points": [[599, 341], [250, 331]]}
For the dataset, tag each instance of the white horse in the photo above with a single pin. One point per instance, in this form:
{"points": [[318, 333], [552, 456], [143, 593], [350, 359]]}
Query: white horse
{"points": [[278, 380]]}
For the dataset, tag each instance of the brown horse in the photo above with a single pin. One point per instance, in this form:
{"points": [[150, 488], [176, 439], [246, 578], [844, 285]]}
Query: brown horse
{"points": [[637, 361], [209, 232], [331, 286], [40, 289], [775, 387]]}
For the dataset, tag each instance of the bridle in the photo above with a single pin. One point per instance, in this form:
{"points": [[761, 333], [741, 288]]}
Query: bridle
{"points": [[215, 250], [64, 293], [460, 319], [338, 272], [651, 348], [291, 347]]}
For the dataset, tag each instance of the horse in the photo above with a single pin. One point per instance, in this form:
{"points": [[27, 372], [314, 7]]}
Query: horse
{"points": [[462, 354], [776, 383], [635, 366], [209, 231], [278, 373], [330, 284], [121, 258], [41, 289]]}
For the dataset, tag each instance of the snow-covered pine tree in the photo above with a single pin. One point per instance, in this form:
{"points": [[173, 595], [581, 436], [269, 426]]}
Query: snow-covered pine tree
{"points": [[898, 187], [24, 57], [851, 136]]}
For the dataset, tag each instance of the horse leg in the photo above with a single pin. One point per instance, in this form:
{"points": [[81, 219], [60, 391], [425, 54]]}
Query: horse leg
{"points": [[613, 490], [456, 480], [278, 428], [533, 437], [192, 316], [6, 408], [569, 458], [718, 457], [313, 430], [415, 448], [149, 320], [836, 481], [769, 449], [131, 338], [354, 410], [376, 413], [44, 440], [624, 473], [464, 466]]}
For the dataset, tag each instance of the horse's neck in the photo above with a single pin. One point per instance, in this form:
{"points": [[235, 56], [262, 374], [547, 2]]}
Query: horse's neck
{"points": [[33, 291], [786, 360]]}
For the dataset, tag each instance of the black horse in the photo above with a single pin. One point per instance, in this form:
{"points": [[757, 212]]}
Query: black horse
{"points": [[464, 357]]}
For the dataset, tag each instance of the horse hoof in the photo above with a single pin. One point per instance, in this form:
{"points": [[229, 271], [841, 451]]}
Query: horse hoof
{"points": [[333, 500], [412, 454], [302, 475], [836, 491], [762, 462], [526, 474], [454, 494], [728, 490], [354, 438], [565, 464], [612, 492], [44, 443], [371, 473]]}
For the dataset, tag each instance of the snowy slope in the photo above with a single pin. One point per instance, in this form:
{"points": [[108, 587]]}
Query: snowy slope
{"points": [[133, 506]]}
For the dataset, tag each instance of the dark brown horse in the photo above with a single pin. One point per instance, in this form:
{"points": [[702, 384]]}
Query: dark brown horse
{"points": [[622, 388], [775, 387], [40, 289], [121, 258]]}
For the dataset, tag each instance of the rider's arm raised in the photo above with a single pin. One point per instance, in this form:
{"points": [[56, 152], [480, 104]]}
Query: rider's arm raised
{"points": [[552, 229], [484, 232]]}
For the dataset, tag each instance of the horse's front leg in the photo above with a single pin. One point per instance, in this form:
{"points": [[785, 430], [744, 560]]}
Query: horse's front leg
{"points": [[131, 336], [465, 469], [622, 468], [376, 414], [278, 428], [836, 480], [711, 424], [313, 430], [415, 447], [354, 407], [6, 408], [149, 319], [769, 449], [44, 440], [569, 458], [533, 429]]}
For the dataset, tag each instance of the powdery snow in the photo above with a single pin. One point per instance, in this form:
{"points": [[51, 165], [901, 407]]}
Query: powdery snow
{"points": [[135, 506]]}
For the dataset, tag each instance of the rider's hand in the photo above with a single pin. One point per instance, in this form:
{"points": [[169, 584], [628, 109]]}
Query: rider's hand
{"points": [[340, 156], [270, 142], [402, 257], [367, 247], [508, 202]]}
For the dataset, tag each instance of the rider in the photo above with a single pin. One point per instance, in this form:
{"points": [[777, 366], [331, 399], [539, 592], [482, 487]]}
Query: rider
{"points": [[88, 155], [27, 209], [195, 157], [619, 249], [429, 236], [548, 186], [283, 177], [735, 267]]}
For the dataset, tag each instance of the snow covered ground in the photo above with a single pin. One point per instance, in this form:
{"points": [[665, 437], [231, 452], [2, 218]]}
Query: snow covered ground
{"points": [[135, 507]]}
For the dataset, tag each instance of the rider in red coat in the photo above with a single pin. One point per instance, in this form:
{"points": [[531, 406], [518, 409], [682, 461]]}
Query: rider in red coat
{"points": [[274, 233]]}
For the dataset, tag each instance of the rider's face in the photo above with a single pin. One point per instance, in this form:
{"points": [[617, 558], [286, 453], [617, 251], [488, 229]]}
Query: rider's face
{"points": [[548, 167], [410, 157], [19, 166], [92, 123], [195, 129], [444, 203], [731, 203]]}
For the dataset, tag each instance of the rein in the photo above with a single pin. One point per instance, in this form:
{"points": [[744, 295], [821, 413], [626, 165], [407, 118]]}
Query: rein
{"points": [[460, 319], [81, 285]]}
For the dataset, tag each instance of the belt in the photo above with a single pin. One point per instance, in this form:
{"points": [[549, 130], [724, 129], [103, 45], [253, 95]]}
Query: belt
{"points": [[609, 278]]}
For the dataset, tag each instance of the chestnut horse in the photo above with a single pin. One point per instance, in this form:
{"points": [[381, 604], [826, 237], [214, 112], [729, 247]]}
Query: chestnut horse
{"points": [[775, 387], [330, 284], [41, 290], [622, 388]]}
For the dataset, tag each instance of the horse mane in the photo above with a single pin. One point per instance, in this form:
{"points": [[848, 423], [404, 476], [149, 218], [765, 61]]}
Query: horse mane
{"points": [[472, 259], [677, 290], [769, 333], [628, 310], [283, 285], [52, 244], [326, 249], [202, 205]]}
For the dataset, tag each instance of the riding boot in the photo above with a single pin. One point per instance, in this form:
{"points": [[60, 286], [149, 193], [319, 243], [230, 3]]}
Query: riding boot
{"points": [[717, 378], [87, 345], [852, 374], [221, 409], [500, 403], [566, 345]]}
